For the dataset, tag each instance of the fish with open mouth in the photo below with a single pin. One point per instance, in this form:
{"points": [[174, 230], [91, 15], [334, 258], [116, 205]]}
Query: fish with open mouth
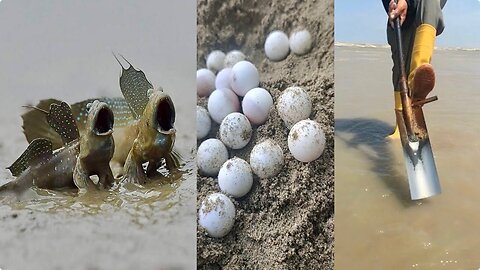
{"points": [[144, 126], [71, 165]]}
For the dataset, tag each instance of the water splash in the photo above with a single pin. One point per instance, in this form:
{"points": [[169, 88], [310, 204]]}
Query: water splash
{"points": [[137, 201]]}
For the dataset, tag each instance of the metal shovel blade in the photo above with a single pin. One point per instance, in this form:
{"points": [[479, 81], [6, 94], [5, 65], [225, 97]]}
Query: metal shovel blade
{"points": [[421, 170]]}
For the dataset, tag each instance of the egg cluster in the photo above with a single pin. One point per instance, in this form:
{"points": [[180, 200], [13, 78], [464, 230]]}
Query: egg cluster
{"points": [[278, 45], [239, 105]]}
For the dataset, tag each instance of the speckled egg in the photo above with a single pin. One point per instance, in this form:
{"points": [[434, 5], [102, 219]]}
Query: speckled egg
{"points": [[294, 105], [205, 82], [217, 215], [224, 77], [221, 103], [276, 46], [235, 130], [235, 177], [211, 154], [306, 140], [300, 42], [233, 57], [204, 123], [244, 77], [266, 159], [256, 105], [215, 60]]}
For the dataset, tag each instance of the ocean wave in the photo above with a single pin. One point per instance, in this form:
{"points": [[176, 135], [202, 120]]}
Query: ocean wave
{"points": [[386, 46], [362, 45]]}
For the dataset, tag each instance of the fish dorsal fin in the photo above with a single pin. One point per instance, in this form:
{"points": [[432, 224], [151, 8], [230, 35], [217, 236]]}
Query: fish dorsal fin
{"points": [[39, 149], [35, 123], [61, 119], [134, 86]]}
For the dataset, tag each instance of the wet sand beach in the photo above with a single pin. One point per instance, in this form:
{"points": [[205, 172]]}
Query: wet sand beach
{"points": [[377, 226], [64, 50]]}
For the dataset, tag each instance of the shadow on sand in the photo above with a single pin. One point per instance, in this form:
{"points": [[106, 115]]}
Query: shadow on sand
{"points": [[370, 134]]}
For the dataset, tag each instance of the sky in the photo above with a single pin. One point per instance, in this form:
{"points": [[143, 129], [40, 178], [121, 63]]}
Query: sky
{"points": [[365, 22]]}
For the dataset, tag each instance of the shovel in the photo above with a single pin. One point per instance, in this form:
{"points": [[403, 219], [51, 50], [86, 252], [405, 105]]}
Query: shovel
{"points": [[417, 150]]}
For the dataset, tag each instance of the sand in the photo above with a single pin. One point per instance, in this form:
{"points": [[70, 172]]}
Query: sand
{"points": [[377, 226], [63, 50], [286, 221]]}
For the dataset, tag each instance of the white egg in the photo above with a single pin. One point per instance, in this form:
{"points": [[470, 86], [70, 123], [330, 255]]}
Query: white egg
{"points": [[294, 105], [217, 215], [211, 155], [276, 46], [235, 130], [204, 123], [300, 42], [223, 78], [306, 140], [215, 60], [235, 177], [266, 159], [205, 82], [244, 77], [221, 103], [233, 57], [256, 105]]}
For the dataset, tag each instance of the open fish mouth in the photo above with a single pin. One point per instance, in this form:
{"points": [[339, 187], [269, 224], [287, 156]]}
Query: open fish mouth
{"points": [[103, 121], [165, 115]]}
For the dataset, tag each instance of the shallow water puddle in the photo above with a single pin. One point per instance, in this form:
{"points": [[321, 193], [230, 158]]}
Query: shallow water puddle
{"points": [[136, 200]]}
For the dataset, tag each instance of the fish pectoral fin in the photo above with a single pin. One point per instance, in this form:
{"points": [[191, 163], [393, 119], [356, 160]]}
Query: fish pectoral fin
{"points": [[173, 160], [39, 149], [61, 119], [133, 169], [35, 124], [134, 85]]}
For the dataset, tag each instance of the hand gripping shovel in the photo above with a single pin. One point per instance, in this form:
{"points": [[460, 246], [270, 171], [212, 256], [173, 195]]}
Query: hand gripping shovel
{"points": [[421, 170]]}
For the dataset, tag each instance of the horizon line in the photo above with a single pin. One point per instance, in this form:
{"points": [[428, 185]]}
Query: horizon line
{"points": [[386, 46]]}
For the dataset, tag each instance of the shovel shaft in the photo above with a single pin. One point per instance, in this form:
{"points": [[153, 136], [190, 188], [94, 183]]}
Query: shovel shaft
{"points": [[398, 34], [404, 93]]}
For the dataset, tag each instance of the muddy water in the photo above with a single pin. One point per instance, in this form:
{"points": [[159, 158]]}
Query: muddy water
{"points": [[377, 226], [63, 50]]}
